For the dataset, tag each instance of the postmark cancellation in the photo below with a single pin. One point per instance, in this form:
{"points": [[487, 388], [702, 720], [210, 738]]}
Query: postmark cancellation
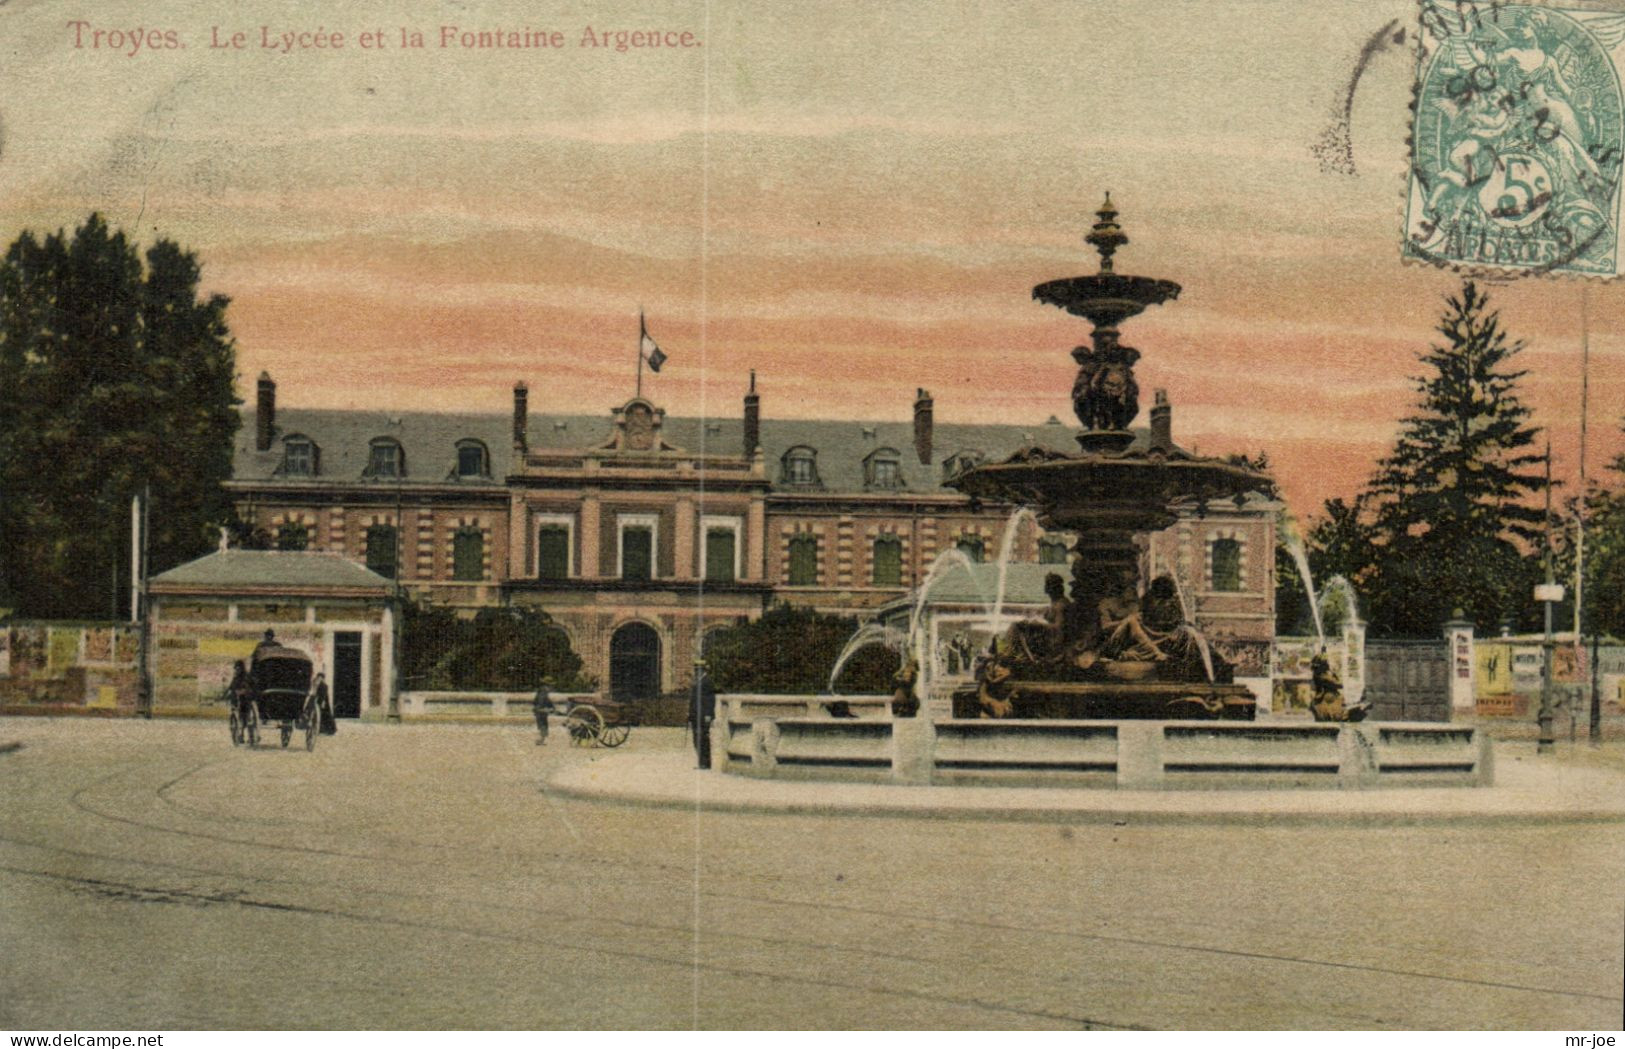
{"points": [[1516, 138]]}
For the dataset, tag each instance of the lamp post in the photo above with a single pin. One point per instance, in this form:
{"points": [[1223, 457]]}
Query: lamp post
{"points": [[1548, 593]]}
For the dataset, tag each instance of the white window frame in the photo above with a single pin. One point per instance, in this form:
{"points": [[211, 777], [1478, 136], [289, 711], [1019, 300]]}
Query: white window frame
{"points": [[801, 453], [709, 524], [540, 521], [649, 521], [398, 460], [309, 446], [872, 462]]}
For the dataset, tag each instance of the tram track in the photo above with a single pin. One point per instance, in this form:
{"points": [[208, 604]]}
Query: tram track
{"points": [[686, 964], [654, 871]]}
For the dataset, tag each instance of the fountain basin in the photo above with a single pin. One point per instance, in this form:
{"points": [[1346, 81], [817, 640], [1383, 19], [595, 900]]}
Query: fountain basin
{"points": [[1124, 755]]}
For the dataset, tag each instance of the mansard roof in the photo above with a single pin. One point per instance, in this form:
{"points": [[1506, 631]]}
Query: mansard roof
{"points": [[429, 441]]}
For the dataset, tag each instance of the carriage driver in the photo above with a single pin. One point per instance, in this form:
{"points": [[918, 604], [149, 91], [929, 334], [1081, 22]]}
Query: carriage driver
{"points": [[268, 641]]}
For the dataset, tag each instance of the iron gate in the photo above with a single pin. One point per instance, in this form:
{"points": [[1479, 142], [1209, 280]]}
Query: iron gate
{"points": [[1407, 680]]}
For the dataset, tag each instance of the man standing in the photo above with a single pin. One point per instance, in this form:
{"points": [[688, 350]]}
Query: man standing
{"points": [[542, 706], [702, 710]]}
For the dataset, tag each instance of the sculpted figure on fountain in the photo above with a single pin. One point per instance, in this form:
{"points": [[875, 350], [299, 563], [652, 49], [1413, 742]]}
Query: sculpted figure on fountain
{"points": [[1105, 395]]}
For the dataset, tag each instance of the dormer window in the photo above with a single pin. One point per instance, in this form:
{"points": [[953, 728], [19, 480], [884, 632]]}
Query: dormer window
{"points": [[473, 462], [298, 456], [883, 469], [386, 460], [801, 466]]}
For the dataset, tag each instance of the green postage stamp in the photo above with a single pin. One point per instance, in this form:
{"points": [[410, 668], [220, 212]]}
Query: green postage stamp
{"points": [[1517, 136]]}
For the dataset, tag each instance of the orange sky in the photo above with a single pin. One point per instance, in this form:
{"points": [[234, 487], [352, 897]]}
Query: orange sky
{"points": [[855, 202]]}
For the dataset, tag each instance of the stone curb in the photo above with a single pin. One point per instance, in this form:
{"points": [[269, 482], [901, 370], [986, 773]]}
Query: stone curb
{"points": [[616, 780]]}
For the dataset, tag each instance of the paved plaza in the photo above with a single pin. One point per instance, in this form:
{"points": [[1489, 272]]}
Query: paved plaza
{"points": [[151, 876]]}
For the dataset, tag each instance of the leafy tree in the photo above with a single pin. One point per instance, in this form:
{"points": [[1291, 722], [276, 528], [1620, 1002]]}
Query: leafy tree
{"points": [[793, 650], [1452, 517], [1341, 543], [502, 649], [1293, 617], [114, 376]]}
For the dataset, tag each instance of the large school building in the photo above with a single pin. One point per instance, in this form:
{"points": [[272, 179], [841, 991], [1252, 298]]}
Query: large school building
{"points": [[640, 532]]}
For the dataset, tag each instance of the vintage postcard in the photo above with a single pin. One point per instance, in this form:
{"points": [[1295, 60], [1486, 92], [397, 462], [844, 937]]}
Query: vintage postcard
{"points": [[739, 515]]}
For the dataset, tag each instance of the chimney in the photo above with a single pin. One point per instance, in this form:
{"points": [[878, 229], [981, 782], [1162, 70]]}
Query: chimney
{"points": [[753, 418], [521, 416], [922, 425], [265, 413], [1162, 423]]}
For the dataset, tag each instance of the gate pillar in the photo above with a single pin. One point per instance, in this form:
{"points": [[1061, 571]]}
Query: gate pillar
{"points": [[1458, 635]]}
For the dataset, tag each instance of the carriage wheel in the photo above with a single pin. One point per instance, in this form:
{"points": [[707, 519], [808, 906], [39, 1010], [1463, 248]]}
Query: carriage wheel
{"points": [[287, 733], [251, 725], [313, 722], [236, 727], [614, 735], [585, 725]]}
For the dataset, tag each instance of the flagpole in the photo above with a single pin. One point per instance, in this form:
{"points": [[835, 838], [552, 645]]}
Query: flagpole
{"points": [[1594, 734], [641, 332]]}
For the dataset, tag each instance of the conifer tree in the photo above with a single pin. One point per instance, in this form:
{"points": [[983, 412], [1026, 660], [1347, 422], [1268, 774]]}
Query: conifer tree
{"points": [[1456, 522]]}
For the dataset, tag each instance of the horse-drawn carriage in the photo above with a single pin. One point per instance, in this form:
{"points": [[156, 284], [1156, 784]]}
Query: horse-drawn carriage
{"points": [[277, 689]]}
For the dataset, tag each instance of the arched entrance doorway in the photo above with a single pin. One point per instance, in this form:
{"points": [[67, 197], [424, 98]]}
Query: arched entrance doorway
{"points": [[634, 663]]}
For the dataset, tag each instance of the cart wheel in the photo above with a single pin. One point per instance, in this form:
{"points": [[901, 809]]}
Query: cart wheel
{"points": [[236, 727], [313, 722], [585, 725], [251, 725], [614, 735], [287, 733]]}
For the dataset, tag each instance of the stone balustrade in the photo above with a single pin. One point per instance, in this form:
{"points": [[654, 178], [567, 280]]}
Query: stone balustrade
{"points": [[472, 705]]}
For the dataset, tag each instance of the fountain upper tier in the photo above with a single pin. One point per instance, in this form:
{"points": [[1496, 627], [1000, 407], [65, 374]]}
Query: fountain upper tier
{"points": [[1106, 299], [1117, 484]]}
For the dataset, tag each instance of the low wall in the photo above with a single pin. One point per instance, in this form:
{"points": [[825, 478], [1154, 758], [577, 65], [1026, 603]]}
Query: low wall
{"points": [[756, 705], [479, 706], [1137, 755]]}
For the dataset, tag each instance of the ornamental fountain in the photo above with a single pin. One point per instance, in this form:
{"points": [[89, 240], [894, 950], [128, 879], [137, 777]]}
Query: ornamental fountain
{"points": [[1106, 649], [1114, 687]]}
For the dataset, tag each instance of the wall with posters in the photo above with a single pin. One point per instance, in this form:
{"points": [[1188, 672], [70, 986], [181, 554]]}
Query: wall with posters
{"points": [[1507, 675], [72, 667]]}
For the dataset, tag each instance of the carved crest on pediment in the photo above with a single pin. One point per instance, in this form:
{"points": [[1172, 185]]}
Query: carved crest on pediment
{"points": [[637, 428]]}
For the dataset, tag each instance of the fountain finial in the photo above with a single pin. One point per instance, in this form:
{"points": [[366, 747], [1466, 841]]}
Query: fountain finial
{"points": [[1106, 235]]}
